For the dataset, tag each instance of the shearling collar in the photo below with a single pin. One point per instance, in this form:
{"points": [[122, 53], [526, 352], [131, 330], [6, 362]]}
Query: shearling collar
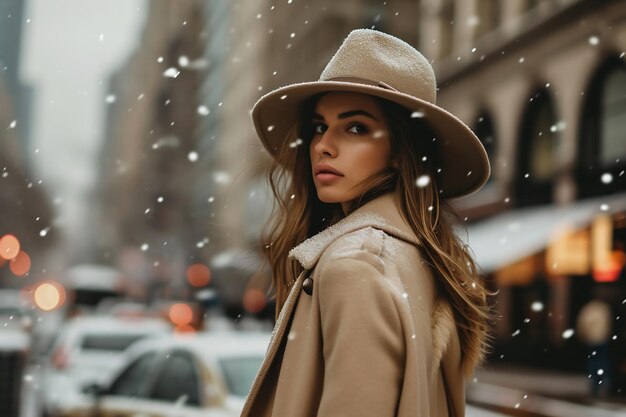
{"points": [[380, 213]]}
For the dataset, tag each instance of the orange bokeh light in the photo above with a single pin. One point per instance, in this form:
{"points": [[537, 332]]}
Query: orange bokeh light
{"points": [[20, 265], [180, 314], [9, 247], [254, 300], [198, 275], [49, 295], [184, 329]]}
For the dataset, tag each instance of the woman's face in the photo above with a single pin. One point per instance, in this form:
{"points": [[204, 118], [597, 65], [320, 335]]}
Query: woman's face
{"points": [[350, 143]]}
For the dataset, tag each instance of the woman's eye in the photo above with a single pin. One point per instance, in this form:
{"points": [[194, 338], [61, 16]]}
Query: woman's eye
{"points": [[358, 128], [318, 128]]}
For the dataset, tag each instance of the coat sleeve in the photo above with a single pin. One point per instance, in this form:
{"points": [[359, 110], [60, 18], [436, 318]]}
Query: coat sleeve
{"points": [[364, 352]]}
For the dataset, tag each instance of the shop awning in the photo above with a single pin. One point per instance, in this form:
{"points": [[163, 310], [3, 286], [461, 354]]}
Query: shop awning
{"points": [[519, 233]]}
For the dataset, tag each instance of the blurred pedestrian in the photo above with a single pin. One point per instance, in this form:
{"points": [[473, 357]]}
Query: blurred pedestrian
{"points": [[380, 309], [594, 328]]}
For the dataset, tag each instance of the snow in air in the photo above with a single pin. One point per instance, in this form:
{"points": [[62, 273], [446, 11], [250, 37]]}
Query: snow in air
{"points": [[192, 156], [568, 333], [423, 181], [203, 110], [606, 178], [171, 72], [221, 177], [296, 143]]}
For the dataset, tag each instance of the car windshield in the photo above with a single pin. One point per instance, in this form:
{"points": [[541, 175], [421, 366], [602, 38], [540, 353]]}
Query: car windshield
{"points": [[109, 342], [239, 373]]}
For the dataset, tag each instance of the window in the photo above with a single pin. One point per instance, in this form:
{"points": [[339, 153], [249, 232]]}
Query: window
{"points": [[488, 14], [538, 147], [613, 117], [132, 382], [485, 131], [446, 31], [109, 342], [177, 380], [239, 373], [602, 143]]}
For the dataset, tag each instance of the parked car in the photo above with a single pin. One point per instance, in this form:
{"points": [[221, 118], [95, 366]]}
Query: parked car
{"points": [[88, 350], [206, 375]]}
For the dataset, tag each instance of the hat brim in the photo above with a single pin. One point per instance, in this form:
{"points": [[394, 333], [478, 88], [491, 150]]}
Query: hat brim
{"points": [[465, 165]]}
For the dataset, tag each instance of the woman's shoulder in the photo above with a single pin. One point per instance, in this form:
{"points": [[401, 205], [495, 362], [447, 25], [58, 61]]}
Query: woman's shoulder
{"points": [[371, 245]]}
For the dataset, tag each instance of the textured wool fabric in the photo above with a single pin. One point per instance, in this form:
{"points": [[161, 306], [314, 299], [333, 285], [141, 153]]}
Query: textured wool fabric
{"points": [[374, 338]]}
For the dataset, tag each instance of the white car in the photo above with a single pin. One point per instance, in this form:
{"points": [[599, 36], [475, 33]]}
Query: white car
{"points": [[206, 375], [88, 350]]}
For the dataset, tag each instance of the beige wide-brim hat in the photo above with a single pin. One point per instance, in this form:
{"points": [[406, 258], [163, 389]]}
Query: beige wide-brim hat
{"points": [[375, 63]]}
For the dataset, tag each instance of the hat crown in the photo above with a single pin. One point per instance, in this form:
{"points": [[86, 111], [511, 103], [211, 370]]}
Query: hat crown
{"points": [[374, 56]]}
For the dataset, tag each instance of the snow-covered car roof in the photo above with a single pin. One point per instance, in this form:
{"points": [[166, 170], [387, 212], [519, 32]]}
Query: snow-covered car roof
{"points": [[116, 325], [208, 346]]}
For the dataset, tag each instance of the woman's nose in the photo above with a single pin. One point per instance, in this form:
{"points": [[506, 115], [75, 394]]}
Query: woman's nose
{"points": [[326, 145]]}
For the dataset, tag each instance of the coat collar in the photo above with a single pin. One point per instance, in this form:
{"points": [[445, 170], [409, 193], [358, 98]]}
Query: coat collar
{"points": [[380, 213]]}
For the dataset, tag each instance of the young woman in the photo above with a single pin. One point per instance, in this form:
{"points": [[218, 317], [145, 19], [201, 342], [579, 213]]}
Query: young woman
{"points": [[381, 311]]}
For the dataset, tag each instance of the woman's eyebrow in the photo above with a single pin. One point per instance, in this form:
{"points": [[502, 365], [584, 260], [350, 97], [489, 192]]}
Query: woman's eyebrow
{"points": [[346, 114]]}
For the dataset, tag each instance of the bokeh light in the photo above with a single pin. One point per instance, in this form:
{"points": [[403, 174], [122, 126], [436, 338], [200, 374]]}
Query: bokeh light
{"points": [[180, 314], [184, 329], [254, 300], [198, 275], [20, 265], [9, 247], [49, 295]]}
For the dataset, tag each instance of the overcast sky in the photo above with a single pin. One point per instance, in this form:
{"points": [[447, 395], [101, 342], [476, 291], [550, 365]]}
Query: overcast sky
{"points": [[70, 48]]}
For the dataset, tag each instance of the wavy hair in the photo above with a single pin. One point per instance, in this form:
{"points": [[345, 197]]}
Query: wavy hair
{"points": [[298, 214]]}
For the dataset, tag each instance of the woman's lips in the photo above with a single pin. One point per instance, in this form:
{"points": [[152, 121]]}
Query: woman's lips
{"points": [[326, 177]]}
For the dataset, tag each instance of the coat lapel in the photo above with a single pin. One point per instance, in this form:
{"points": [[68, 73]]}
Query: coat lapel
{"points": [[275, 340]]}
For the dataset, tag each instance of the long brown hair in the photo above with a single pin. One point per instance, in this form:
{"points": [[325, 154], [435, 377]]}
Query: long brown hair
{"points": [[298, 214]]}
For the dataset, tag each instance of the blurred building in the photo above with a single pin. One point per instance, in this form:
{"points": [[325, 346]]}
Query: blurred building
{"points": [[148, 224], [543, 83], [25, 209]]}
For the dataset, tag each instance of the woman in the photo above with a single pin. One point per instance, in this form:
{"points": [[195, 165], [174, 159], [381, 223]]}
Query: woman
{"points": [[382, 312]]}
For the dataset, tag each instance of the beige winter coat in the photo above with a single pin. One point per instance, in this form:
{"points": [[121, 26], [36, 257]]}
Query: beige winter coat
{"points": [[370, 339]]}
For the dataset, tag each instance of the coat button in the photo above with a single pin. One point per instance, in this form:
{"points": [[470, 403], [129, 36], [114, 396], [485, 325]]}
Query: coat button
{"points": [[307, 285]]}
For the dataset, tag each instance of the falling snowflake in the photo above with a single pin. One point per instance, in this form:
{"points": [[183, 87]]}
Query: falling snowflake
{"points": [[606, 178], [13, 124], [568, 333], [536, 306], [422, 181], [221, 177], [110, 98], [192, 156], [515, 333], [144, 247], [160, 199], [203, 110], [183, 61], [295, 143], [604, 207], [171, 72], [594, 40], [417, 114]]}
